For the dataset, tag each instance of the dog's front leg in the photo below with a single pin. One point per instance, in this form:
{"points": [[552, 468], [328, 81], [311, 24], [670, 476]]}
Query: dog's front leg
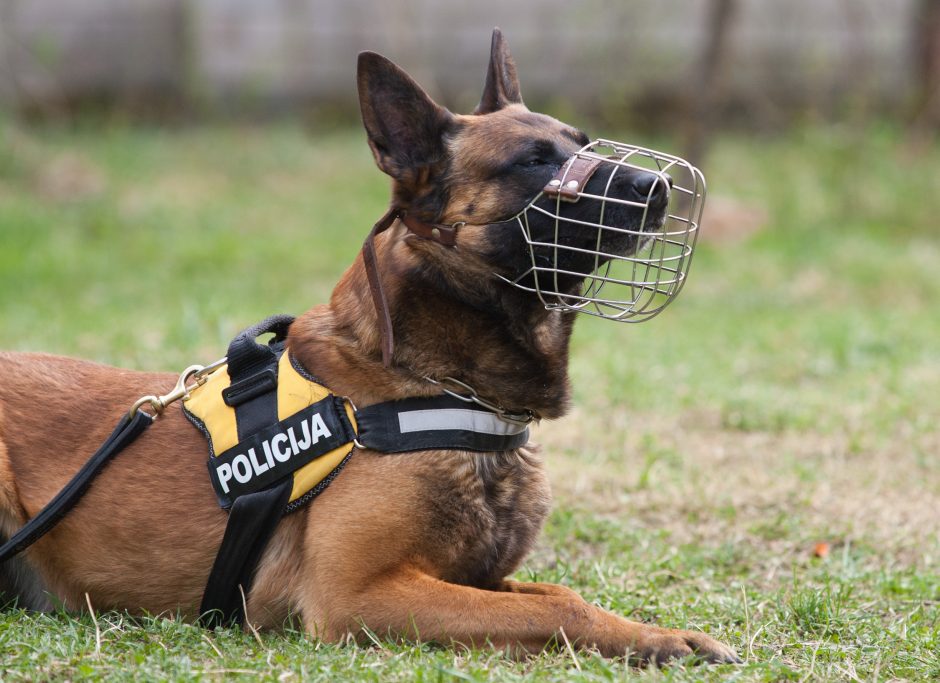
{"points": [[524, 616], [661, 643]]}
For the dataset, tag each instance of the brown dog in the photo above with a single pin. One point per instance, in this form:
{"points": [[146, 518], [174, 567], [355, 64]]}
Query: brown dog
{"points": [[415, 545]]}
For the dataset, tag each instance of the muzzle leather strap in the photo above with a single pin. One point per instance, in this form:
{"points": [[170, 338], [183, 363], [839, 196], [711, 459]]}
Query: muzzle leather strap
{"points": [[445, 235], [442, 234], [375, 284], [572, 177]]}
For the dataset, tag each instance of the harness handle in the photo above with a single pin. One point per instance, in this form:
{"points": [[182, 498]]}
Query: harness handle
{"points": [[246, 356]]}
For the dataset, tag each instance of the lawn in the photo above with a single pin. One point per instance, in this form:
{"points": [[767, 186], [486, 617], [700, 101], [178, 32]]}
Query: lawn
{"points": [[759, 462]]}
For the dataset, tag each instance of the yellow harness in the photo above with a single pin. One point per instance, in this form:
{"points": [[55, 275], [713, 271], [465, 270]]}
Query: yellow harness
{"points": [[295, 392]]}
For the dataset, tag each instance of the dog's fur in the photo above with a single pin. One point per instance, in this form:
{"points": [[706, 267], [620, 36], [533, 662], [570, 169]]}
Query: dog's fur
{"points": [[415, 545]]}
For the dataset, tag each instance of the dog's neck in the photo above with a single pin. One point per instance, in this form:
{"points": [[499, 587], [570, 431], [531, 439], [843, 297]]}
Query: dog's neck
{"points": [[515, 355]]}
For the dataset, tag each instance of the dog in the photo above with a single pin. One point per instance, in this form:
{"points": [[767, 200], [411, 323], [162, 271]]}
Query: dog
{"points": [[414, 545]]}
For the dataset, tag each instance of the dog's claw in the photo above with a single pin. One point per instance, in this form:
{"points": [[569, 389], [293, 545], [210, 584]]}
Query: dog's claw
{"points": [[672, 645]]}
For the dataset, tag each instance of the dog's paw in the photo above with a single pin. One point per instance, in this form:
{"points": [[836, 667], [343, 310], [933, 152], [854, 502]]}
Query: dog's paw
{"points": [[668, 644]]}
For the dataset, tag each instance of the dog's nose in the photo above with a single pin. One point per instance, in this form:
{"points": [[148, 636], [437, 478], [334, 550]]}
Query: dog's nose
{"points": [[653, 188]]}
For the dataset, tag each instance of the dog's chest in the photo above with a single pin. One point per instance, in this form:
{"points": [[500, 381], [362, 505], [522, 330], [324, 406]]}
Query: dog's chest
{"points": [[484, 513]]}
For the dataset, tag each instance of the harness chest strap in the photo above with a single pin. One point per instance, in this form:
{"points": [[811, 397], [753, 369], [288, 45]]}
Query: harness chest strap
{"points": [[316, 431]]}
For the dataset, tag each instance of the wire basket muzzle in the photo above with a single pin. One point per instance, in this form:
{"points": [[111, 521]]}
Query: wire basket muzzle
{"points": [[612, 234]]}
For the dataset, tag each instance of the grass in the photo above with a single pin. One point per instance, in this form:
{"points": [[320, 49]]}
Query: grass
{"points": [[788, 399]]}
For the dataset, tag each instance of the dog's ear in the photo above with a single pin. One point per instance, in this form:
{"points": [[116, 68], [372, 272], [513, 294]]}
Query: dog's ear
{"points": [[502, 84], [404, 125]]}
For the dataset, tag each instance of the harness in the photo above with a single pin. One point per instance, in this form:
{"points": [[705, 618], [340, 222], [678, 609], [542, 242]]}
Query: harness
{"points": [[277, 437]]}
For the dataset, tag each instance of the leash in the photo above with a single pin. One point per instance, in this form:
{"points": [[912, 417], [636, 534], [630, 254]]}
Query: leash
{"points": [[127, 430], [134, 423]]}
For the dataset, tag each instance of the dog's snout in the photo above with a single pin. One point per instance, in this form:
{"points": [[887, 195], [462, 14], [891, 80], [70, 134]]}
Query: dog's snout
{"points": [[652, 188]]}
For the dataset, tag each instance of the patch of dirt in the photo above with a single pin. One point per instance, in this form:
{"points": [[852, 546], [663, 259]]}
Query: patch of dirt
{"points": [[68, 177], [781, 492], [730, 220], [181, 189]]}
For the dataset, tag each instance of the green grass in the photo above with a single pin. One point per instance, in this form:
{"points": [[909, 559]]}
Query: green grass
{"points": [[789, 397]]}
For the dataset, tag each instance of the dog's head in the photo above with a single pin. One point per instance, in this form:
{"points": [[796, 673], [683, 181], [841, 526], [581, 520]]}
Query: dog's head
{"points": [[489, 173]]}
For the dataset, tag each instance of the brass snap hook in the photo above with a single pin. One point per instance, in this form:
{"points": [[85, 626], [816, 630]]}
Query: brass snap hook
{"points": [[158, 404]]}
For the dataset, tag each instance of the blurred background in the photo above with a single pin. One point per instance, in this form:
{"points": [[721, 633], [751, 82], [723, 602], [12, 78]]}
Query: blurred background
{"points": [[753, 64], [172, 171]]}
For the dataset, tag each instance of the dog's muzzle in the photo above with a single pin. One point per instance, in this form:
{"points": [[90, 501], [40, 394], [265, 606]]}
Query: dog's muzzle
{"points": [[612, 234]]}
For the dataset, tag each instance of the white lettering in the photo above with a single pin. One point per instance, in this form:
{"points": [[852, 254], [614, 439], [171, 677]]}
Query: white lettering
{"points": [[266, 445], [281, 455], [224, 473], [305, 444], [241, 468], [279, 447], [257, 466], [318, 427]]}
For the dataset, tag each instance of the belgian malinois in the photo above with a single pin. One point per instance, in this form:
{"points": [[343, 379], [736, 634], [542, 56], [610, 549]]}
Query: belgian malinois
{"points": [[414, 545]]}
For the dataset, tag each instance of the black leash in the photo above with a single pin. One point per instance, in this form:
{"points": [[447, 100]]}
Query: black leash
{"points": [[128, 429], [134, 423]]}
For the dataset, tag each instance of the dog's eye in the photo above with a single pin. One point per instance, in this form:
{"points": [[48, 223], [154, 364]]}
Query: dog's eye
{"points": [[535, 161]]}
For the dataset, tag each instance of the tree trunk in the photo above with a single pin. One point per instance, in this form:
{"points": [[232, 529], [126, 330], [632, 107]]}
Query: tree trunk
{"points": [[926, 42], [712, 77]]}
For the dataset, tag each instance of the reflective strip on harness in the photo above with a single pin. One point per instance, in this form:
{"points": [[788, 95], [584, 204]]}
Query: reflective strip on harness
{"points": [[457, 418], [439, 422]]}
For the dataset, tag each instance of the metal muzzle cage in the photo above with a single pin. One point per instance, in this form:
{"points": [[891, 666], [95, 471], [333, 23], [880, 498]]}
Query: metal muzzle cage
{"points": [[632, 248]]}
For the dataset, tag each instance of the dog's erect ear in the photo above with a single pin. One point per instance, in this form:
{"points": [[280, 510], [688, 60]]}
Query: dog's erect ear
{"points": [[404, 125], [502, 84]]}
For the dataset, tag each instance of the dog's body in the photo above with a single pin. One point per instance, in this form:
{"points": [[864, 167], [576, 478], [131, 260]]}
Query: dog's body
{"points": [[414, 545]]}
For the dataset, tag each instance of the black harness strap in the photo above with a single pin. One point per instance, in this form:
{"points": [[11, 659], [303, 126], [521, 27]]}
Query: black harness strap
{"points": [[418, 424], [251, 523], [252, 368], [253, 517], [128, 429]]}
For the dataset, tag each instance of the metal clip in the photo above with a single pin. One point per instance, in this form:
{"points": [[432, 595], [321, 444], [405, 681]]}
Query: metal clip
{"points": [[198, 373], [525, 417]]}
